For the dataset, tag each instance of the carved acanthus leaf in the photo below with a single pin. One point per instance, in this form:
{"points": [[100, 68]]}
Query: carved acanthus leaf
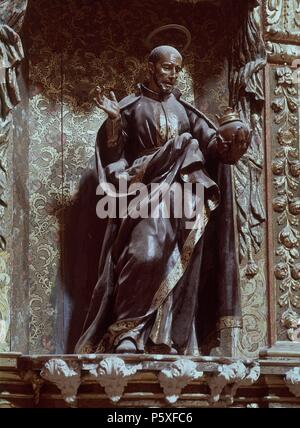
{"points": [[274, 11], [248, 58], [66, 377], [283, 19], [236, 374], [176, 377], [292, 379], [113, 375], [252, 377]]}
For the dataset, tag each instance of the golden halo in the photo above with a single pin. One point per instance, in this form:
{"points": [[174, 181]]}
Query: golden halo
{"points": [[167, 27]]}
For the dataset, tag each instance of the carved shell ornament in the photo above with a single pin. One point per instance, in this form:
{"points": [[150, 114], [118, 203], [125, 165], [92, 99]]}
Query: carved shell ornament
{"points": [[235, 374], [176, 377], [65, 376], [113, 375]]}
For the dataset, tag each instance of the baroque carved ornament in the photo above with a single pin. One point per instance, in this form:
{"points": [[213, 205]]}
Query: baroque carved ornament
{"points": [[113, 375], [283, 19], [11, 53], [175, 378], [235, 375], [247, 60], [286, 203], [66, 377]]}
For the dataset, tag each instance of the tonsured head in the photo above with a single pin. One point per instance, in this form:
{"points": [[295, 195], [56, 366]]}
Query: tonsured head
{"points": [[165, 63]]}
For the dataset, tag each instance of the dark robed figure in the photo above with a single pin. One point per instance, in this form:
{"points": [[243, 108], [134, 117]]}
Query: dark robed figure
{"points": [[163, 287]]}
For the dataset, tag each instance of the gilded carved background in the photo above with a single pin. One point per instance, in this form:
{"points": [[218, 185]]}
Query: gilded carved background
{"points": [[71, 47]]}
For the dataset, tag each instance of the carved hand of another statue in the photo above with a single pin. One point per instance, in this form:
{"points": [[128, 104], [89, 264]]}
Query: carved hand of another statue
{"points": [[109, 105]]}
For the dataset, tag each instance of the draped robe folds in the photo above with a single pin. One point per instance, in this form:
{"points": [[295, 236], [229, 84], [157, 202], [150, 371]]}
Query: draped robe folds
{"points": [[161, 284]]}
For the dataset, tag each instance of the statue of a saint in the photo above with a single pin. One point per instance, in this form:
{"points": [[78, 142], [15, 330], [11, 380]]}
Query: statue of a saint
{"points": [[163, 287]]}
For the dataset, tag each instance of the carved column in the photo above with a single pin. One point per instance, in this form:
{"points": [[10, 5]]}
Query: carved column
{"points": [[247, 60], [282, 36], [11, 53]]}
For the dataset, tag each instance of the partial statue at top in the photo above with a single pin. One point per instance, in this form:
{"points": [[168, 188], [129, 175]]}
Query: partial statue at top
{"points": [[165, 286]]}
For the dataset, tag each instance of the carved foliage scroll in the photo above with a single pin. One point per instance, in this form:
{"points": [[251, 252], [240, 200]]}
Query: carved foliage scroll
{"points": [[283, 18], [11, 53], [282, 26], [286, 201], [253, 336]]}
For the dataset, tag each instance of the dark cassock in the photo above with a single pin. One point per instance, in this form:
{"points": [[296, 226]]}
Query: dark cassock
{"points": [[166, 287]]}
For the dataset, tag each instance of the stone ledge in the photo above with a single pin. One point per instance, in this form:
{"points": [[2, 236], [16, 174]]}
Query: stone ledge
{"points": [[147, 381], [283, 350]]}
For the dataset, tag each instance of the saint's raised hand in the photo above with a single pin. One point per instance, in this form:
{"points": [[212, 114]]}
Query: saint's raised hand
{"points": [[109, 105]]}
